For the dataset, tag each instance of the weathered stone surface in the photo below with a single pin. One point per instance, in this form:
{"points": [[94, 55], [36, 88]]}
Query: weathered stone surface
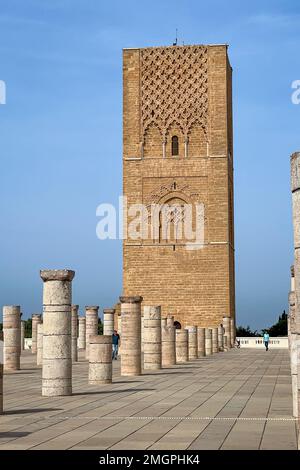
{"points": [[131, 335], [152, 338], [192, 342], [22, 335], [100, 360], [91, 325], [215, 342], [294, 298], [221, 337], [12, 337], [40, 335], [168, 339], [232, 332], [57, 358], [227, 333], [108, 321], [82, 333], [182, 346], [74, 331], [35, 320], [208, 341], [201, 341]]}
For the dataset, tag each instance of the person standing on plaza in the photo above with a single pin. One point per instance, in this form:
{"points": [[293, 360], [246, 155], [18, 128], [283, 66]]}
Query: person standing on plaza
{"points": [[266, 340], [115, 344]]}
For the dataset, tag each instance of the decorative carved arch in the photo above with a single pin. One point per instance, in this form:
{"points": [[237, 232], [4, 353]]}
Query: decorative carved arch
{"points": [[200, 124]]}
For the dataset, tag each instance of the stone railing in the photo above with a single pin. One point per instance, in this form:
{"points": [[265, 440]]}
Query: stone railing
{"points": [[278, 342], [28, 343]]}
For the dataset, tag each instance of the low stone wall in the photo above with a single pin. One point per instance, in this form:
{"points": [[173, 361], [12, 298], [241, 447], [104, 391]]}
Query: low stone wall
{"points": [[28, 343], [279, 342]]}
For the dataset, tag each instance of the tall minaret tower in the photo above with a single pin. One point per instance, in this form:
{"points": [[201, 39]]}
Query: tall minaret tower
{"points": [[177, 150]]}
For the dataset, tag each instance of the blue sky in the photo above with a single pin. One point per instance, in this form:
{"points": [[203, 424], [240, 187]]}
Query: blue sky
{"points": [[61, 138]]}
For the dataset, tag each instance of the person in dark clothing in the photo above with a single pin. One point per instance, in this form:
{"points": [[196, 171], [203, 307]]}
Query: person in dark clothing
{"points": [[115, 344]]}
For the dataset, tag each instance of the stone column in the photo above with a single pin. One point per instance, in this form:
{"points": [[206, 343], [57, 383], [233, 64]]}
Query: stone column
{"points": [[193, 342], [36, 319], [227, 332], [152, 338], [182, 346], [295, 327], [221, 337], [100, 359], [142, 330], [168, 350], [232, 332], [74, 331], [131, 335], [201, 341], [1, 372], [215, 343], [120, 332], [22, 335], [208, 341], [57, 358], [108, 321], [91, 325], [12, 337], [39, 354], [81, 333], [117, 309]]}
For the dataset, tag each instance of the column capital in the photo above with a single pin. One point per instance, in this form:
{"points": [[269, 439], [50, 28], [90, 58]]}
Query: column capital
{"points": [[11, 308], [57, 274], [109, 310], [92, 307], [36, 316], [74, 308], [295, 171], [131, 299]]}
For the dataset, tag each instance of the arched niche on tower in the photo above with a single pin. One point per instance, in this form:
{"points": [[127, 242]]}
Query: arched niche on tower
{"points": [[152, 142], [197, 141], [172, 218]]}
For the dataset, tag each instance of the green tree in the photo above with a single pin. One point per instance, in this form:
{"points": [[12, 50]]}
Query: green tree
{"points": [[100, 327], [280, 328], [242, 331], [28, 328]]}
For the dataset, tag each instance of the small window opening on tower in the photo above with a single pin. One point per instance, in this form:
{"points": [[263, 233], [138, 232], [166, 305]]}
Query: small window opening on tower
{"points": [[175, 146]]}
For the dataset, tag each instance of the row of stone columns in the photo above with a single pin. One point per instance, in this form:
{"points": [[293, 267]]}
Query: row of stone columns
{"points": [[162, 345], [55, 343]]}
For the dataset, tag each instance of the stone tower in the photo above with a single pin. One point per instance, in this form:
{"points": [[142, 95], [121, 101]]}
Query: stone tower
{"points": [[178, 153]]}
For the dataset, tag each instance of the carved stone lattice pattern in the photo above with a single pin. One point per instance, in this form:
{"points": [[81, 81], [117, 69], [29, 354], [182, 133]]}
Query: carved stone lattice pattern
{"points": [[174, 88]]}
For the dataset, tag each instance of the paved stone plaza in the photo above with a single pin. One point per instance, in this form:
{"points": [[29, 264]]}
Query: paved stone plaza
{"points": [[218, 402]]}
